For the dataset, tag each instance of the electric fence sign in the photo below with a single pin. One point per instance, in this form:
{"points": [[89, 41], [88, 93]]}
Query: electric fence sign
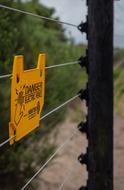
{"points": [[27, 98]]}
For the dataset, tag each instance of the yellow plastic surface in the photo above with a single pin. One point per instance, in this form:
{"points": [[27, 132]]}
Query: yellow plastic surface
{"points": [[27, 97]]}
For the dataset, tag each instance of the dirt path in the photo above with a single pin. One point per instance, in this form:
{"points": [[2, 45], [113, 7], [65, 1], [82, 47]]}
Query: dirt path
{"points": [[55, 173], [119, 154]]}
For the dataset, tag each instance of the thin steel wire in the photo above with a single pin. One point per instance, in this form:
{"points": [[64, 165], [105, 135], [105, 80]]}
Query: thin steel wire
{"points": [[57, 108], [43, 117], [5, 76], [70, 173], [36, 15], [47, 67], [6, 141], [53, 155], [63, 64]]}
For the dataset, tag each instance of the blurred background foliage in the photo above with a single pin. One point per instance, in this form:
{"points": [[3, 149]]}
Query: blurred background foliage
{"points": [[119, 81], [29, 36], [26, 35]]}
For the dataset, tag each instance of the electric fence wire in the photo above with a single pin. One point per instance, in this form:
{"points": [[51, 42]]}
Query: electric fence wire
{"points": [[47, 67], [36, 15], [62, 65], [52, 156], [7, 141], [43, 117], [54, 110], [59, 107], [5, 76], [70, 173]]}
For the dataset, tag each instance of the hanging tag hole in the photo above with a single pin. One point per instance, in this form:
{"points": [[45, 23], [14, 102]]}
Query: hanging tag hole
{"points": [[17, 79], [40, 73]]}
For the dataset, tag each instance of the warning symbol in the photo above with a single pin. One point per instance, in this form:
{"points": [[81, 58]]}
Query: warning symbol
{"points": [[27, 97]]}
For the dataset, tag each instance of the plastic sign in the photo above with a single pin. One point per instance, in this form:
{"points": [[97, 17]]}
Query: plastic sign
{"points": [[27, 97]]}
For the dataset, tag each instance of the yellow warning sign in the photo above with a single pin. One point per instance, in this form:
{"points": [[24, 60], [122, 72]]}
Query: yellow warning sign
{"points": [[27, 97]]}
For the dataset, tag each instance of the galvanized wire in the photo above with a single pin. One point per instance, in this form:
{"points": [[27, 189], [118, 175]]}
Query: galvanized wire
{"points": [[43, 117], [53, 155], [6, 141], [57, 108], [36, 15], [5, 76], [47, 67], [63, 64], [70, 173]]}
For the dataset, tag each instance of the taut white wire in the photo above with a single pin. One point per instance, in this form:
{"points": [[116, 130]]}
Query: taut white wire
{"points": [[36, 15], [62, 105], [46, 163], [6, 141], [5, 76], [69, 174], [43, 117], [61, 65], [47, 67]]}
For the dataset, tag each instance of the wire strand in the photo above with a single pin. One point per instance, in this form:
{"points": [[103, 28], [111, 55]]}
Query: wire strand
{"points": [[57, 108], [69, 174], [47, 67], [36, 15], [5, 76], [63, 64], [47, 162], [43, 117], [6, 141]]}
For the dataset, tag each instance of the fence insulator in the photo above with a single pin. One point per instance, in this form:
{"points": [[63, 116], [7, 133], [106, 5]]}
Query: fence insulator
{"points": [[83, 188], [83, 128], [83, 27], [83, 62], [83, 94], [83, 159]]}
